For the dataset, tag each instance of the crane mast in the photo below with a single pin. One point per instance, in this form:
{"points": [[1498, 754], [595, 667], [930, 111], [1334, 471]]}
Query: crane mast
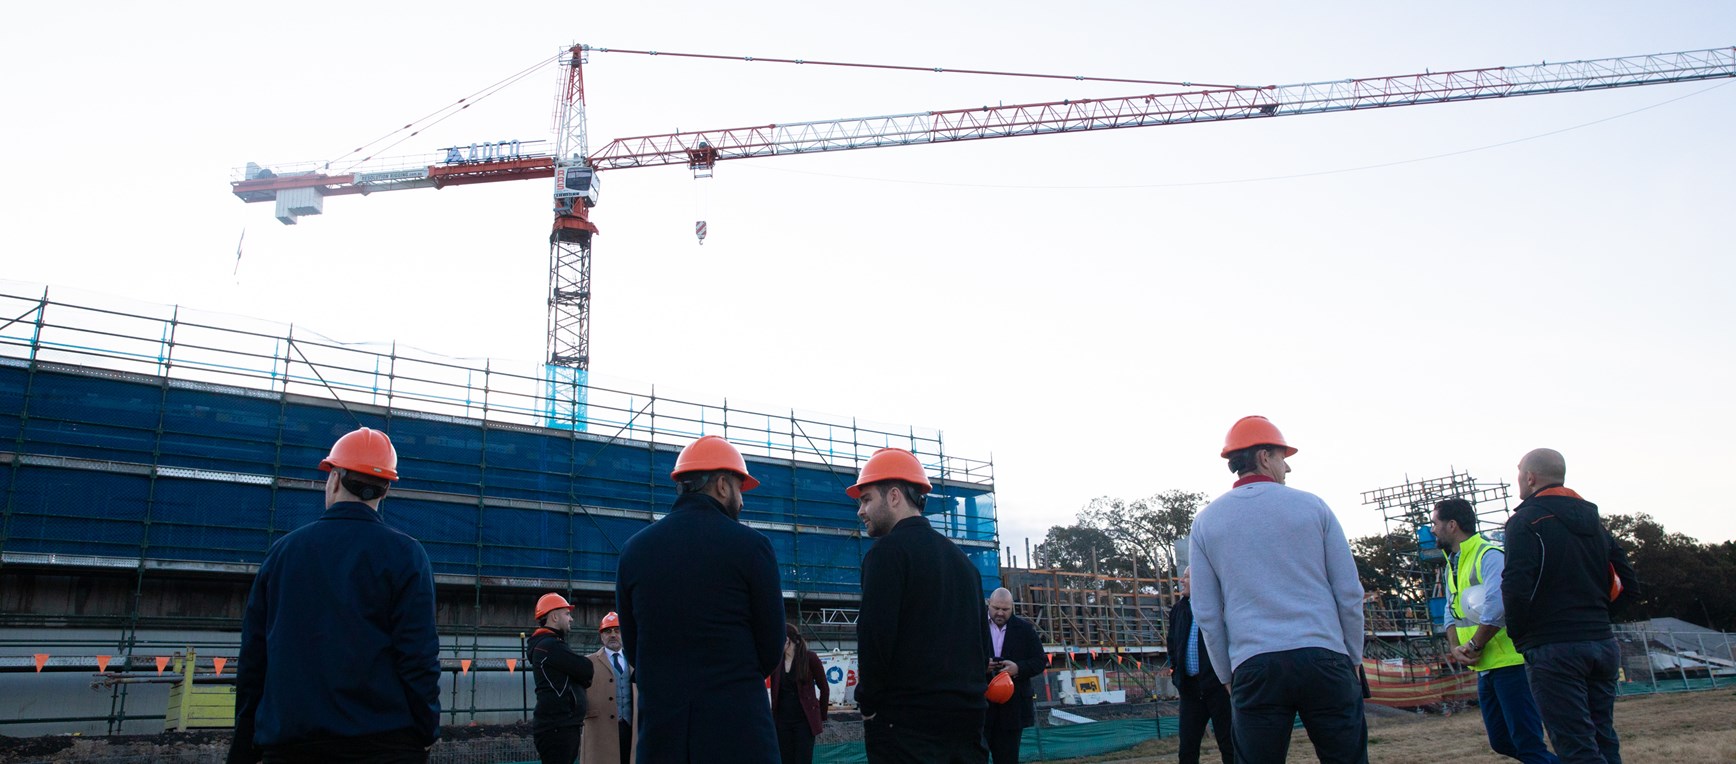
{"points": [[300, 191], [575, 193]]}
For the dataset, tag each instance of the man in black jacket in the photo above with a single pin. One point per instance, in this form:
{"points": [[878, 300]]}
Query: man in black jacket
{"points": [[1203, 698], [921, 635], [562, 677], [1018, 652], [1564, 574]]}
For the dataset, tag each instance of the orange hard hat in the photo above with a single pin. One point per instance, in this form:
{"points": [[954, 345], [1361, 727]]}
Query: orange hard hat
{"points": [[610, 621], [712, 452], [1250, 431], [890, 464], [365, 452], [548, 603], [1000, 688]]}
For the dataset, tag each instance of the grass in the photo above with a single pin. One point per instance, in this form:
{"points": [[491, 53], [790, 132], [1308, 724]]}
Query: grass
{"points": [[1675, 728]]}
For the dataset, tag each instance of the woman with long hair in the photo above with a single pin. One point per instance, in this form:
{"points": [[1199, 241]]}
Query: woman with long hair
{"points": [[799, 698]]}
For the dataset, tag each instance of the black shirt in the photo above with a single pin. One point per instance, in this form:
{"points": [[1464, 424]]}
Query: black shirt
{"points": [[922, 634]]}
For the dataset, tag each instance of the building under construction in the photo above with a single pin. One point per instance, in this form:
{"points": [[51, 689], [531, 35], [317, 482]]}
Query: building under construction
{"points": [[150, 456]]}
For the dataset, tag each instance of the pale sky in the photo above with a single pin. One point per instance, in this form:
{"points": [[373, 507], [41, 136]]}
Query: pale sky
{"points": [[1403, 291]]}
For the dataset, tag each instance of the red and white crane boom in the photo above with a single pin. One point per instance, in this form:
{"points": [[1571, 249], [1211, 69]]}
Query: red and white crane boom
{"points": [[300, 191]]}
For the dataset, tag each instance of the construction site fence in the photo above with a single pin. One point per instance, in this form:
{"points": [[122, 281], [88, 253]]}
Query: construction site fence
{"points": [[1675, 661]]}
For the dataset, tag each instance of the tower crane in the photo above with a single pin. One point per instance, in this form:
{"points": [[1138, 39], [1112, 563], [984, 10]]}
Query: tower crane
{"points": [[575, 169]]}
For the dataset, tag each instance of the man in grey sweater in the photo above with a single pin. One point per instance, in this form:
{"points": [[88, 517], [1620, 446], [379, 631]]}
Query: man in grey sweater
{"points": [[1276, 596]]}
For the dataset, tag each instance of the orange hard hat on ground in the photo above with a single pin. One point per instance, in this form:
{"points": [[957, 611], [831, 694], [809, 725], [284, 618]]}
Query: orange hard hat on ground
{"points": [[1000, 688], [890, 464], [364, 452], [610, 621], [1250, 431], [548, 603], [712, 452]]}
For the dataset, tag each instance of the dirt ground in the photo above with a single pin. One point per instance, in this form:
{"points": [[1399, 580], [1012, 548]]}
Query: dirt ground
{"points": [[1674, 728]]}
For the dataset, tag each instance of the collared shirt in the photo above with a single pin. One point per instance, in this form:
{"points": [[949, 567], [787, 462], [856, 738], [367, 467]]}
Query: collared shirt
{"points": [[997, 635], [1193, 649]]}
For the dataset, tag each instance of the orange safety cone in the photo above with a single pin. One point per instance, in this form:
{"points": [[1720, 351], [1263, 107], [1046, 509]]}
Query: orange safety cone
{"points": [[465, 664], [218, 662], [162, 663], [511, 665], [41, 660], [102, 662]]}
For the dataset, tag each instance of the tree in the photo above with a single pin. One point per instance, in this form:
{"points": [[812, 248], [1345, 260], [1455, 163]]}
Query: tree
{"points": [[1678, 576], [1381, 563], [1080, 549], [1146, 530]]}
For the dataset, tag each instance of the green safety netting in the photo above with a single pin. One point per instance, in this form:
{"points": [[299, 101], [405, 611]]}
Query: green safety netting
{"points": [[1044, 743]]}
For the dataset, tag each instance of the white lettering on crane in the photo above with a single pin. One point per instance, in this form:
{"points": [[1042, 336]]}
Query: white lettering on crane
{"points": [[498, 151]]}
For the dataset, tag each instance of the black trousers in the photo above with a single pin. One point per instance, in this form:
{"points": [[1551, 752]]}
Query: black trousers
{"points": [[795, 741], [1203, 700], [888, 743], [626, 741], [1268, 692], [559, 745], [1004, 745]]}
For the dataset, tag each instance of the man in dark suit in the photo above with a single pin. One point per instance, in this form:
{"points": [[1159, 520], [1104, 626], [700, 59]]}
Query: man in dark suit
{"points": [[702, 619], [1018, 652], [1202, 697]]}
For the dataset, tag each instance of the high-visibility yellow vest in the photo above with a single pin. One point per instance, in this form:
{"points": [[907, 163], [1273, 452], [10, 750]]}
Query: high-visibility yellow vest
{"points": [[1499, 651]]}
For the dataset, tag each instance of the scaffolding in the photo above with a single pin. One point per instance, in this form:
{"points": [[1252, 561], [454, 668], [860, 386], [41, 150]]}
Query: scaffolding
{"points": [[1404, 622], [150, 455]]}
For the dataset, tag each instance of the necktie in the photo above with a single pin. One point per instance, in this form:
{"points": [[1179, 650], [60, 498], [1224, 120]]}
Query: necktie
{"points": [[1193, 649], [618, 670]]}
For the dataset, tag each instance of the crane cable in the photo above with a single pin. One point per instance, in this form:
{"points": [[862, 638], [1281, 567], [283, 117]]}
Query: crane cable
{"points": [[935, 69], [443, 113]]}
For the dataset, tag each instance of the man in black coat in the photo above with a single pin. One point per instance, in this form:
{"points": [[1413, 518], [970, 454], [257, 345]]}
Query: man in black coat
{"points": [[702, 619], [1203, 698], [921, 636], [562, 677], [1018, 652]]}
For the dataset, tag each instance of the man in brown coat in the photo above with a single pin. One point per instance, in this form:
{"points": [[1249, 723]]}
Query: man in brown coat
{"points": [[609, 731]]}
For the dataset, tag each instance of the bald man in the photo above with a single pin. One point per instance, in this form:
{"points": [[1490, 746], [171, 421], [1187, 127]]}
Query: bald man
{"points": [[1018, 653], [1564, 574]]}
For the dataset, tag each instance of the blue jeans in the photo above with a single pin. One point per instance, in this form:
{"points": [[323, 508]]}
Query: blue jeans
{"points": [[1268, 692], [1575, 683], [1510, 715]]}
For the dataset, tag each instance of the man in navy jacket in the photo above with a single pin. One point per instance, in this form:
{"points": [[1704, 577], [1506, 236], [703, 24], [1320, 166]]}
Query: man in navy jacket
{"points": [[339, 657], [1203, 697], [702, 619]]}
